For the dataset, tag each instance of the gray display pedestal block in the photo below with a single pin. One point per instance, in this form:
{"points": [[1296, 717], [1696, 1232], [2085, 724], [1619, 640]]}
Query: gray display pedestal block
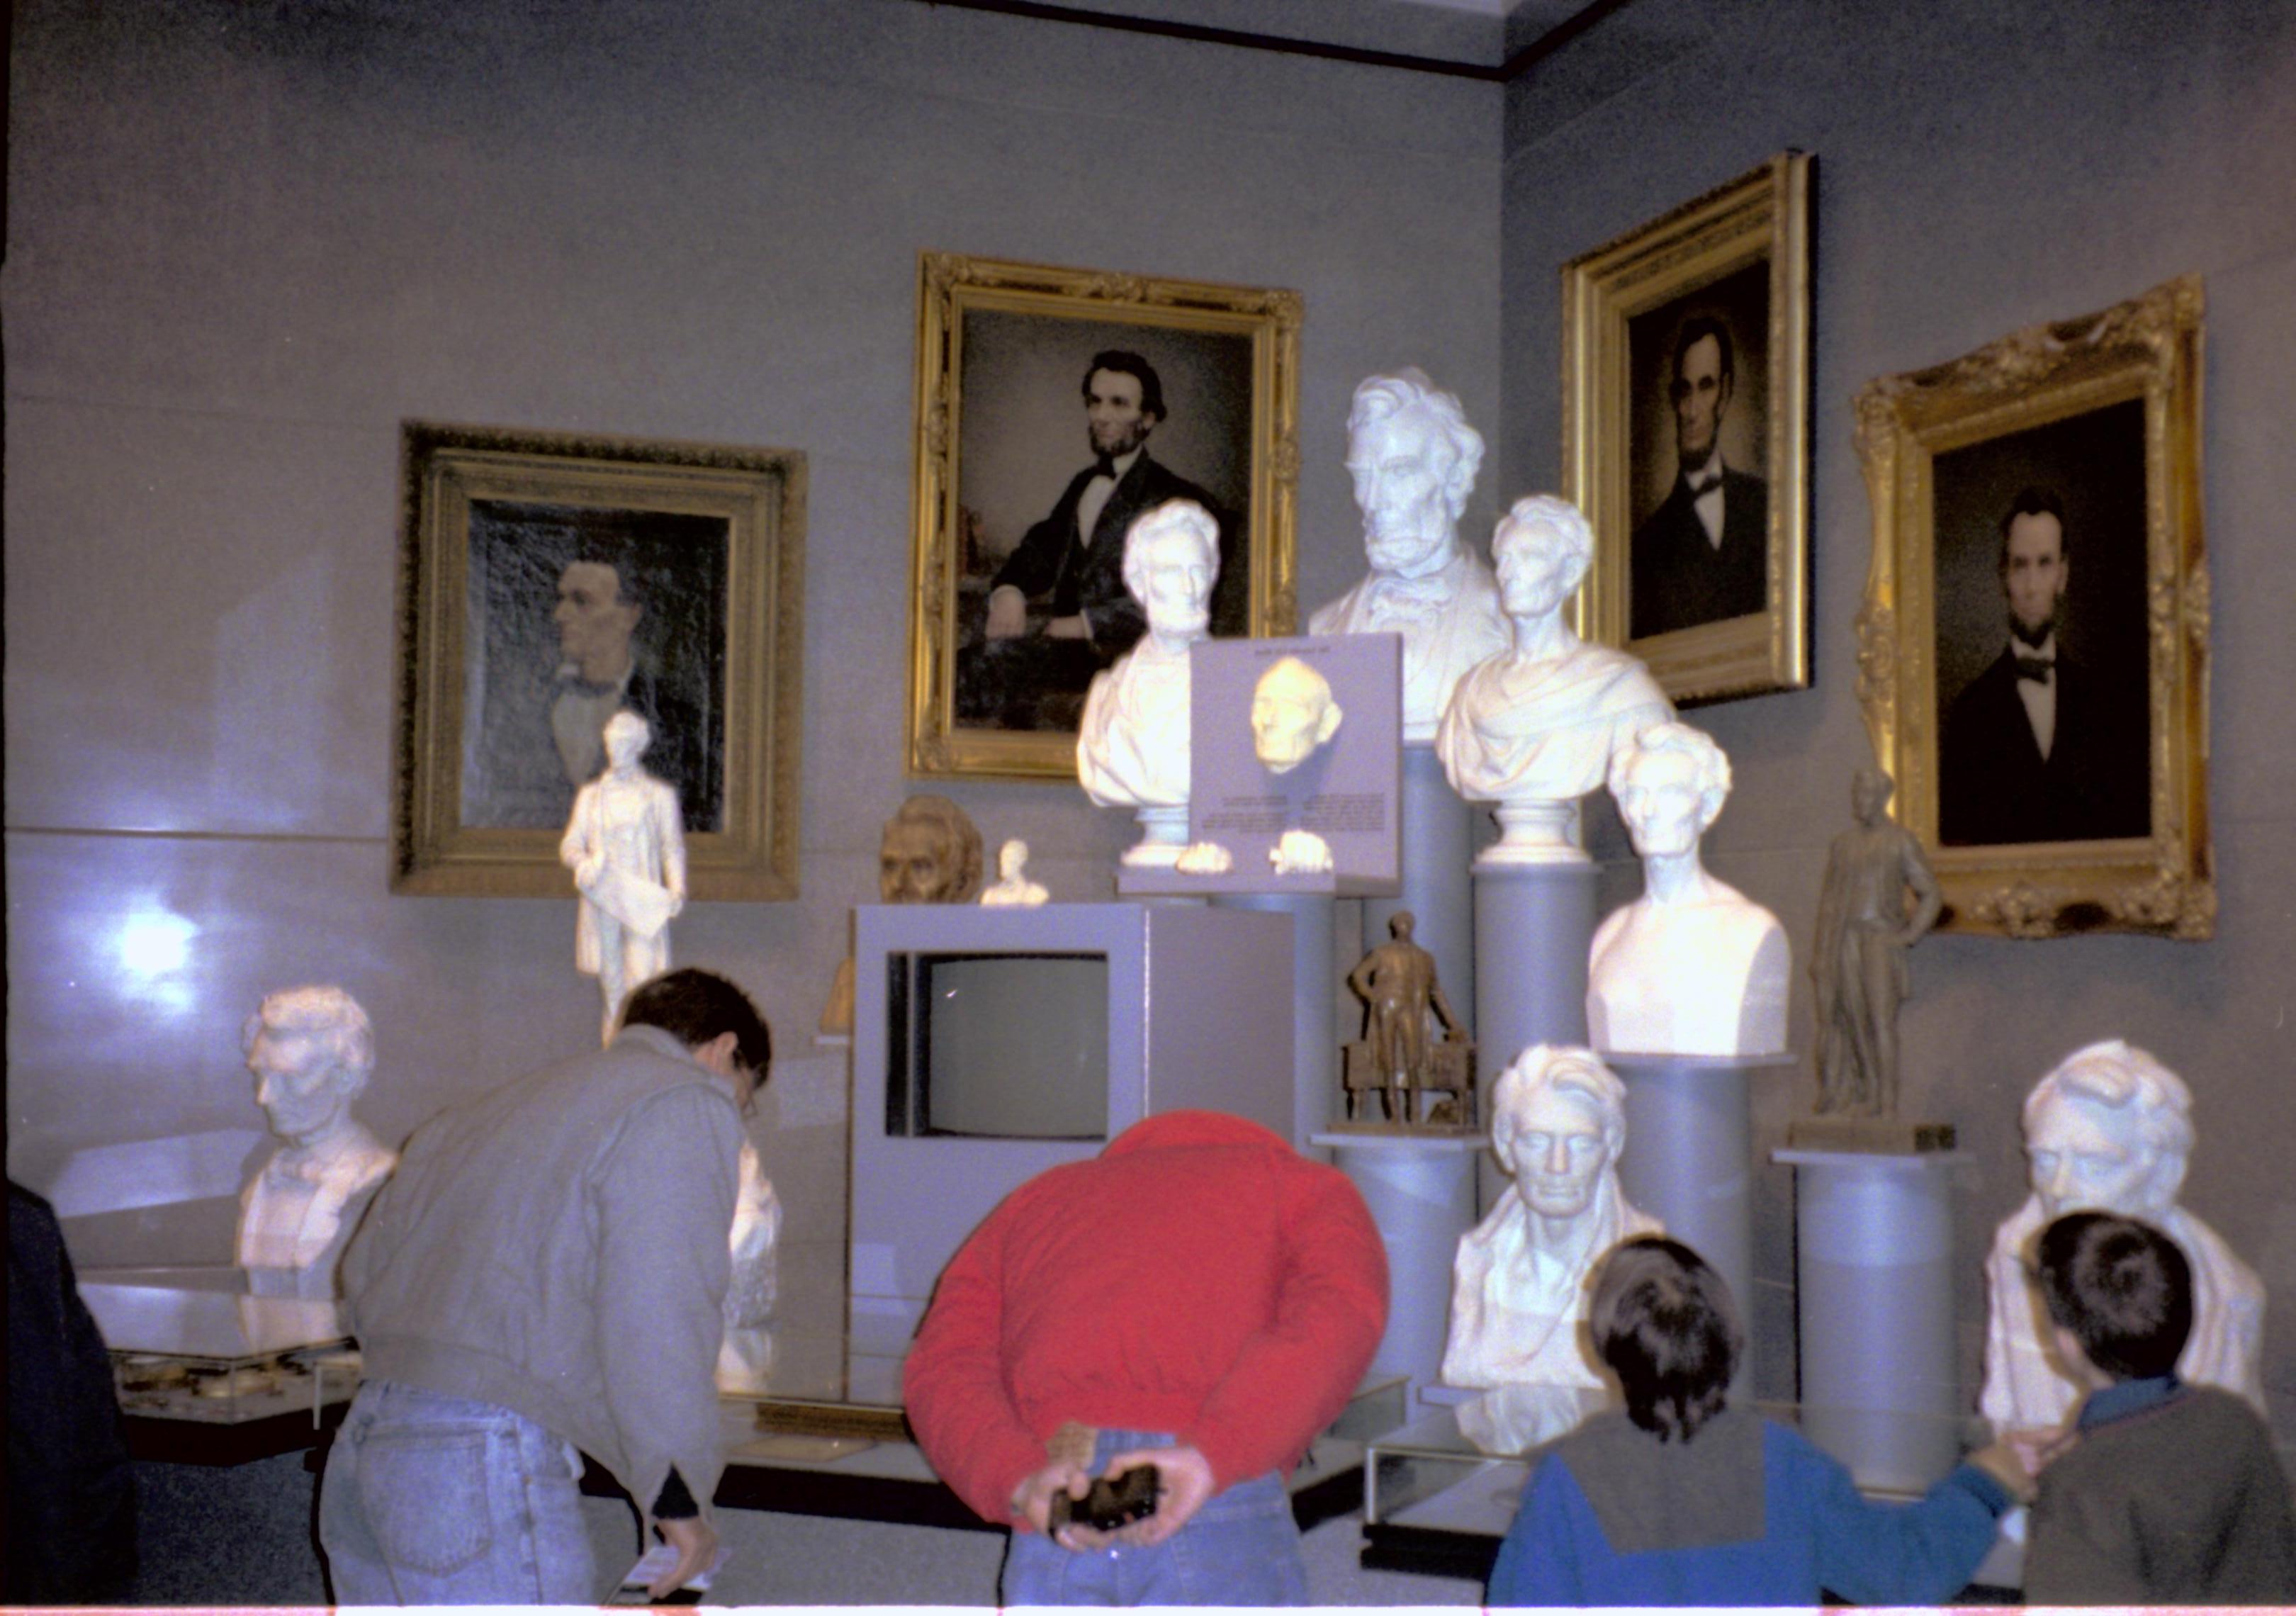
{"points": [[1874, 1283], [1314, 994], [1689, 1160], [1438, 844], [1533, 925], [1421, 1190]]}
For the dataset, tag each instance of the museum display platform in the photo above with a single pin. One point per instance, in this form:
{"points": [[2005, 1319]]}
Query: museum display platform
{"points": [[818, 1455], [211, 1370], [1434, 1503]]}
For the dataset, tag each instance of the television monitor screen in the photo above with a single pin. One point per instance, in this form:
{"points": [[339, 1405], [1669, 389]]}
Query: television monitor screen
{"points": [[997, 1046]]}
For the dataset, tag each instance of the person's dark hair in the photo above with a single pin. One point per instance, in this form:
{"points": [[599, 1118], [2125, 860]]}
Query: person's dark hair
{"points": [[2122, 1289], [1694, 330], [695, 1006], [629, 582], [1125, 361], [2035, 501], [1664, 1322]]}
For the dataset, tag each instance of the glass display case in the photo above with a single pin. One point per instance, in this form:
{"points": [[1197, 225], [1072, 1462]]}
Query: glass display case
{"points": [[800, 1437], [220, 1347]]}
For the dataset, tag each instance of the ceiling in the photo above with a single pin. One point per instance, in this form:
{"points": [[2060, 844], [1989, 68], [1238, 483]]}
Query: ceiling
{"points": [[1486, 40]]}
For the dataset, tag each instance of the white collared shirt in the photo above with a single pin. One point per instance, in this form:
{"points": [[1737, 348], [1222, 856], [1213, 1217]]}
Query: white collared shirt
{"points": [[578, 721], [1094, 499], [1709, 502], [2039, 695]]}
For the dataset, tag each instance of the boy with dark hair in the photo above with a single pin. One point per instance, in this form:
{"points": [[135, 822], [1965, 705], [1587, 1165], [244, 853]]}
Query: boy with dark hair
{"points": [[1681, 1499], [2170, 1493]]}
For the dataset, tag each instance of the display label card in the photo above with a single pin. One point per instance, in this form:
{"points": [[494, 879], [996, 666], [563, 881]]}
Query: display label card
{"points": [[1346, 791]]}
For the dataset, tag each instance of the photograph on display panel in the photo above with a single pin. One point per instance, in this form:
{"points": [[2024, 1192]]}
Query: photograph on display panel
{"points": [[2033, 646], [549, 582], [1685, 388], [1054, 407]]}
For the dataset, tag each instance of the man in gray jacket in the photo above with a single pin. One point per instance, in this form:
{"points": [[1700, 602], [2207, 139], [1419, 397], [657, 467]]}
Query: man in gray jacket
{"points": [[541, 1279]]}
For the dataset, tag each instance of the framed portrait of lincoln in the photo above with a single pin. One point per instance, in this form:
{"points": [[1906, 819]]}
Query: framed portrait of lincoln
{"points": [[2033, 645], [1055, 407]]}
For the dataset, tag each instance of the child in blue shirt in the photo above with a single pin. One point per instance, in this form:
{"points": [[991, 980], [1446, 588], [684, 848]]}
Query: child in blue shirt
{"points": [[1683, 1500]]}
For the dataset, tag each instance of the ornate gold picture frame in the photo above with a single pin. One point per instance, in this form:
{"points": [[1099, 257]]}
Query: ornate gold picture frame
{"points": [[2047, 484], [1685, 409], [1050, 398], [547, 580]]}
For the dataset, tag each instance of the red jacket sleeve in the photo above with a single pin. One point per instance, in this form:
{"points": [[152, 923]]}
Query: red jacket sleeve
{"points": [[1295, 1377], [953, 1384]]}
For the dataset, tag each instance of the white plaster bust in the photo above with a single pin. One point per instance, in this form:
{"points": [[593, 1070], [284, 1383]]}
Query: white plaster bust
{"points": [[1533, 728], [1293, 715], [625, 843], [1521, 1282], [1014, 888], [2111, 1129], [1132, 749], [1413, 459], [1693, 966], [310, 1051]]}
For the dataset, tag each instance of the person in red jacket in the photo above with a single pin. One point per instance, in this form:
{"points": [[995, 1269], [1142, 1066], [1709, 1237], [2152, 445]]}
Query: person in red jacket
{"points": [[1199, 1299]]}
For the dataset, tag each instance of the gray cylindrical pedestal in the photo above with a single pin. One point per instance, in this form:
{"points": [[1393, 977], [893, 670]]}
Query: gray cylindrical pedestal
{"points": [[1875, 1285], [1533, 925], [1689, 1160], [1438, 844], [1315, 1060], [1421, 1195]]}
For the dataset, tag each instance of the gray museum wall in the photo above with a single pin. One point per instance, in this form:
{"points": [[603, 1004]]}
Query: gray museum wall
{"points": [[1980, 167], [244, 243]]}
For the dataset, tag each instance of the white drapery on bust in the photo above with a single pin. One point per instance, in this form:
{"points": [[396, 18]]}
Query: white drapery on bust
{"points": [[1543, 729]]}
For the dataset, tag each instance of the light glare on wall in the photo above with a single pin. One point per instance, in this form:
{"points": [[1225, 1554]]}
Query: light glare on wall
{"points": [[155, 942]]}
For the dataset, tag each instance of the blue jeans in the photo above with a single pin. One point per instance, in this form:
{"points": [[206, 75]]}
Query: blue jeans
{"points": [[440, 1500], [1243, 1547]]}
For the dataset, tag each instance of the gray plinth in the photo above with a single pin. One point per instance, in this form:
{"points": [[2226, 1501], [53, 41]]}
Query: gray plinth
{"points": [[1689, 1160], [1421, 1195], [1875, 1281], [1314, 1059], [1438, 844], [1533, 924]]}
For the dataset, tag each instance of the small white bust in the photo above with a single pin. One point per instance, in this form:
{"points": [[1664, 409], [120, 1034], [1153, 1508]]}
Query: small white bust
{"points": [[1520, 1286], [1204, 858], [625, 843], [1533, 728], [1132, 749], [1413, 459], [2110, 1131], [1014, 888], [310, 1051], [1293, 715], [1693, 966]]}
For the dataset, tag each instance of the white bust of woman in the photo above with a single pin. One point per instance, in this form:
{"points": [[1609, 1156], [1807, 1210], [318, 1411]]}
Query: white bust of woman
{"points": [[1533, 727], [1693, 966], [1132, 749]]}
